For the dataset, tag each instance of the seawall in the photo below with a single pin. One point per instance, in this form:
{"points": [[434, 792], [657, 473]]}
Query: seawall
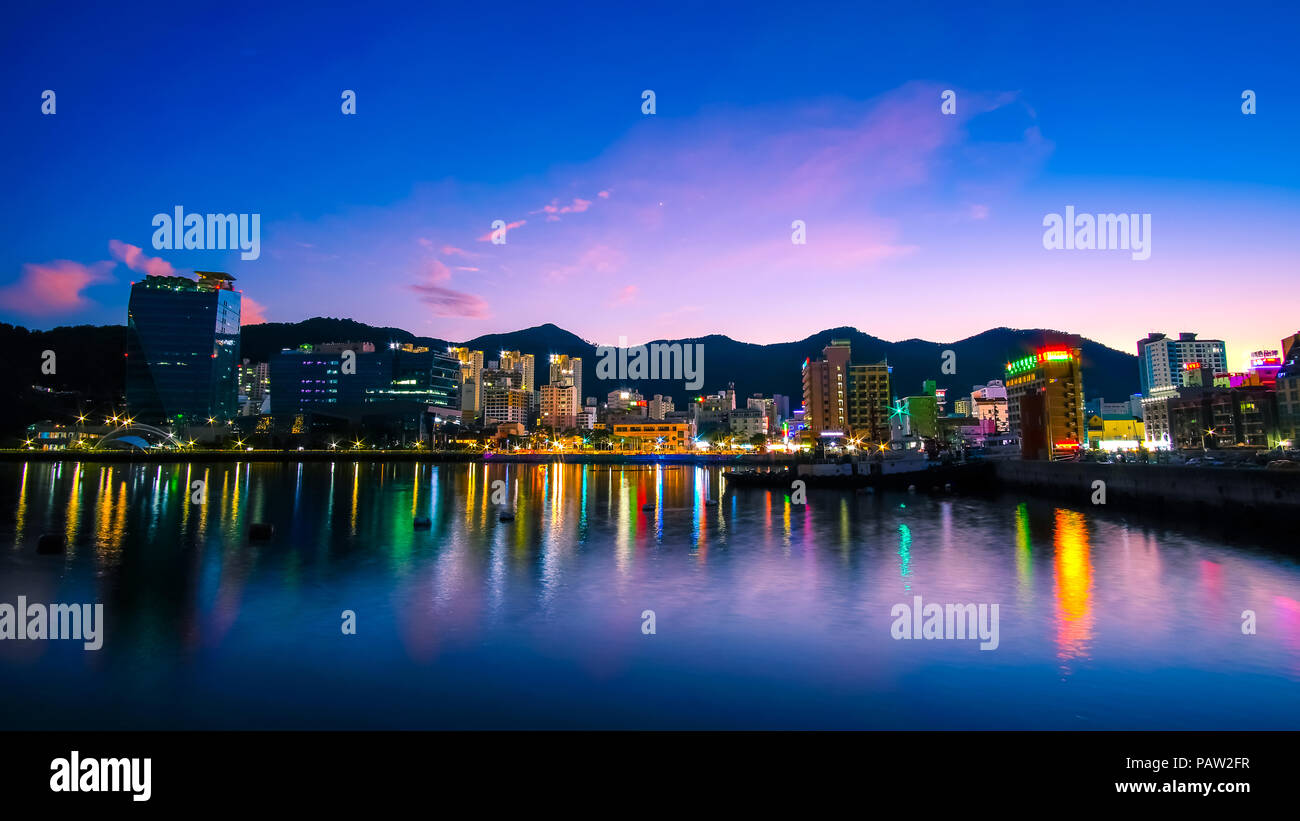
{"points": [[1161, 488]]}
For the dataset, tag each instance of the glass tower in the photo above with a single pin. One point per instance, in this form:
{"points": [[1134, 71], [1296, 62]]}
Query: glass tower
{"points": [[182, 362]]}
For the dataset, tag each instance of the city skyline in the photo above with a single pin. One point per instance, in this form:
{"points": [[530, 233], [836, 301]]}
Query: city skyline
{"points": [[674, 224]]}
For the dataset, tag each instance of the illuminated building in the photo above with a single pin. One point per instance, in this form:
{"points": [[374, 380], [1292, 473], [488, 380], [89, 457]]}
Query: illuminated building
{"points": [[253, 379], [1288, 391], [868, 402], [990, 402], [385, 381], [524, 363], [1045, 402], [182, 355], [922, 415], [503, 398], [1161, 359], [767, 406], [1224, 417], [651, 436], [559, 406], [962, 407], [1266, 365], [747, 422], [825, 389], [471, 372], [660, 406], [1105, 432], [567, 370]]}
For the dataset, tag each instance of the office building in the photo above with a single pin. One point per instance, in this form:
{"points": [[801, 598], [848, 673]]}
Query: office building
{"points": [[390, 381], [182, 357]]}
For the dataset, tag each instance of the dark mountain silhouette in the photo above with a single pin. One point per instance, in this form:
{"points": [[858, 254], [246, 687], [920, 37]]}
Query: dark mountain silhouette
{"points": [[91, 368], [765, 369]]}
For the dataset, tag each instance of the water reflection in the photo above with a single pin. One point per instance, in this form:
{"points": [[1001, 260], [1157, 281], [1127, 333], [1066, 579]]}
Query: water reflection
{"points": [[743, 583]]}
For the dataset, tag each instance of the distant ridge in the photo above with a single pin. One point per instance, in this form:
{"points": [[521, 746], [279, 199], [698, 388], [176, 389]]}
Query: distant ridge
{"points": [[766, 369], [91, 360]]}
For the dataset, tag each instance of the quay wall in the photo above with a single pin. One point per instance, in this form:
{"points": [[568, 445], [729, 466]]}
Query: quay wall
{"points": [[1160, 488]]}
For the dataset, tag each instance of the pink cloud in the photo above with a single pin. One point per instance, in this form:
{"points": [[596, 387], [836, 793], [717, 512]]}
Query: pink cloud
{"points": [[135, 259], [554, 209], [604, 195], [626, 295], [445, 301], [53, 287], [251, 312]]}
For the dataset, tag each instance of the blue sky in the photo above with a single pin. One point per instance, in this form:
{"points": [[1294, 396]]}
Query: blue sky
{"points": [[765, 113]]}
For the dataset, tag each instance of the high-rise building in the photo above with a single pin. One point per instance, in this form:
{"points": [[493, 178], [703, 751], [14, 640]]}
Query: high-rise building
{"points": [[253, 380], [504, 401], [567, 370], [559, 407], [471, 374], [182, 356], [524, 364], [869, 400], [1161, 360], [659, 406], [1045, 402], [825, 390]]}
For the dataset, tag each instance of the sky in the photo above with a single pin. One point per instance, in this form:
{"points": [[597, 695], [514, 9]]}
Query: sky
{"points": [[918, 223]]}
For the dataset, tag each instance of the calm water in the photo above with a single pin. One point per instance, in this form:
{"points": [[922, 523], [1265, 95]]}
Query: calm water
{"points": [[766, 616]]}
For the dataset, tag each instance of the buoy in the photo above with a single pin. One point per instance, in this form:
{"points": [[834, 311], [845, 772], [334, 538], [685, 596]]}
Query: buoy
{"points": [[647, 508], [911, 488], [423, 523], [261, 530], [507, 516], [50, 543], [710, 502], [947, 485]]}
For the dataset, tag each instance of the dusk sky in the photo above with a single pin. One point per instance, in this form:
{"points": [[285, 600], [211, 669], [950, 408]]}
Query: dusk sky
{"points": [[919, 224]]}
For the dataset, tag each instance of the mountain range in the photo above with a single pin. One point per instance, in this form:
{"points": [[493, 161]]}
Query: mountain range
{"points": [[90, 361], [766, 369]]}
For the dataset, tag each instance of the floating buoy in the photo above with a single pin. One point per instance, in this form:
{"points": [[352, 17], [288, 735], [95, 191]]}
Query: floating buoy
{"points": [[911, 488], [50, 543], [261, 531], [507, 516], [647, 508], [423, 523]]}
